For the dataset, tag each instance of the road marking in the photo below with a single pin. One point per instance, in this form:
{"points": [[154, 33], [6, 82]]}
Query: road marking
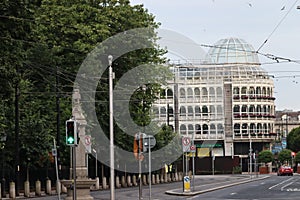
{"points": [[233, 193], [287, 185], [279, 183]]}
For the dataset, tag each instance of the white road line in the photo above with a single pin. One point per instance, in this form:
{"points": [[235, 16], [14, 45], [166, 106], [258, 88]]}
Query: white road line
{"points": [[280, 183], [287, 185]]}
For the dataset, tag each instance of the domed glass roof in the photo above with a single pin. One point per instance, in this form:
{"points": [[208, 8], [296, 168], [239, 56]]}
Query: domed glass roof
{"points": [[232, 50]]}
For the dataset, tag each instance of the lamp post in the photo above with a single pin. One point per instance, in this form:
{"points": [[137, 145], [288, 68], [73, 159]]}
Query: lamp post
{"points": [[111, 130], [3, 140]]}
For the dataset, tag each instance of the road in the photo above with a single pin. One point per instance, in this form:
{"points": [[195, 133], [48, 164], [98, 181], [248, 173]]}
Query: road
{"points": [[271, 188]]}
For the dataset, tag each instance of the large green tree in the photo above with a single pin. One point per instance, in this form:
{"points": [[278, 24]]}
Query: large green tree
{"points": [[293, 140]]}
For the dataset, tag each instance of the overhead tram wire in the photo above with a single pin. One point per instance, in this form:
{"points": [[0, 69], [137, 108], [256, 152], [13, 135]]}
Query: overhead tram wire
{"points": [[276, 27]]}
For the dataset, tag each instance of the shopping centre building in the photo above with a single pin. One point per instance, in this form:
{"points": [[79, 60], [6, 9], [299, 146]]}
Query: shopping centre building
{"points": [[225, 102]]}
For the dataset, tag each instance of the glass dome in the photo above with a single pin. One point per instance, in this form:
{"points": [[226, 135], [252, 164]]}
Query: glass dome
{"points": [[232, 50]]}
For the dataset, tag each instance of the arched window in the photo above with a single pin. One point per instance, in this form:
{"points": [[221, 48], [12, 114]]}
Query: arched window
{"points": [[205, 129], [170, 111], [244, 91], [236, 109], [182, 111], [258, 109], [212, 93], [219, 110], [197, 92], [190, 111], [189, 93], [198, 129], [265, 128], [163, 112], [219, 92], [268, 92], [182, 93], [264, 110], [169, 94], [197, 111], [220, 128], [212, 110], [258, 91], [264, 91], [205, 110], [237, 129], [236, 90], [259, 128], [251, 91], [213, 129], [244, 109], [245, 128], [252, 128], [182, 129], [190, 129], [251, 109], [155, 111]]}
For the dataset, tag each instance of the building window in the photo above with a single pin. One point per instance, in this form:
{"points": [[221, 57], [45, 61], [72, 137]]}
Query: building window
{"points": [[189, 93], [190, 111], [205, 129], [212, 129], [198, 129], [163, 112], [169, 94], [197, 111], [236, 91], [237, 129], [191, 129], [204, 110], [182, 111], [182, 129], [182, 93], [220, 128]]}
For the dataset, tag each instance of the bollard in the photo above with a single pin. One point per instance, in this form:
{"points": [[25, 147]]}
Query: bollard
{"points": [[48, 186], [176, 176], [12, 190], [26, 189], [97, 186], [144, 179], [180, 176], [38, 191], [129, 184], [123, 182], [104, 184], [157, 179], [153, 179], [58, 187], [134, 180], [64, 189], [169, 177], [166, 178], [118, 185]]}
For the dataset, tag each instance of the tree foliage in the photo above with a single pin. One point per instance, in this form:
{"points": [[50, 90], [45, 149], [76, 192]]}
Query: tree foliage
{"points": [[285, 156], [42, 46], [265, 156], [293, 140]]}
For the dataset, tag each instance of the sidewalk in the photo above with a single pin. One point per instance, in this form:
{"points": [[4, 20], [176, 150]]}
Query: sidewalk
{"points": [[199, 189]]}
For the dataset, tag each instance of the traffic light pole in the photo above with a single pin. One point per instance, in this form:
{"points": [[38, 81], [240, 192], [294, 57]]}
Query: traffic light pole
{"points": [[73, 148]]}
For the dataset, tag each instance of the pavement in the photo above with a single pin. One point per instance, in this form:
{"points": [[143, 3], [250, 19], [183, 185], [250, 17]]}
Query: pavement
{"points": [[216, 184]]}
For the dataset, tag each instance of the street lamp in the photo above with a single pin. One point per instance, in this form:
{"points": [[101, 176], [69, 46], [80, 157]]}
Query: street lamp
{"points": [[3, 140], [111, 130]]}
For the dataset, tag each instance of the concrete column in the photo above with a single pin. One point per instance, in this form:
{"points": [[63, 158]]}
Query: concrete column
{"points": [[134, 180], [97, 185], [12, 190], [176, 176], [26, 189], [104, 183], [166, 178], [129, 184], [38, 189], [48, 186]]}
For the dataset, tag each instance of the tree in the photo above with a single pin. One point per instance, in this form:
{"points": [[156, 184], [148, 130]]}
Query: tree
{"points": [[293, 140], [297, 157], [285, 156], [265, 156]]}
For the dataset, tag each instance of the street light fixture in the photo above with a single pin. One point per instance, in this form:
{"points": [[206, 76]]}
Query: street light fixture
{"points": [[111, 130]]}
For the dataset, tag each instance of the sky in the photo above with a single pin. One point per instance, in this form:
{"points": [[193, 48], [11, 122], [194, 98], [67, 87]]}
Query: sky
{"points": [[255, 21]]}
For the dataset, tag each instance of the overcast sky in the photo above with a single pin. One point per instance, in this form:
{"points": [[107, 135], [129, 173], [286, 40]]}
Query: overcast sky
{"points": [[207, 21]]}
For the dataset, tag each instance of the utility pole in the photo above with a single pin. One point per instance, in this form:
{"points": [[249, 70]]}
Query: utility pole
{"points": [[17, 132], [57, 118]]}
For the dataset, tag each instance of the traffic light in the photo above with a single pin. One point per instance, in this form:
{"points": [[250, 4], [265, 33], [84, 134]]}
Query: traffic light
{"points": [[71, 133]]}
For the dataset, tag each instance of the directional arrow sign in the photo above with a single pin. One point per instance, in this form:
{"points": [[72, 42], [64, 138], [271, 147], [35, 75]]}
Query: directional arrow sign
{"points": [[71, 140]]}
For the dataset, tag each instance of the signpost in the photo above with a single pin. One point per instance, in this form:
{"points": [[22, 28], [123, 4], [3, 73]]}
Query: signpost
{"points": [[186, 147]]}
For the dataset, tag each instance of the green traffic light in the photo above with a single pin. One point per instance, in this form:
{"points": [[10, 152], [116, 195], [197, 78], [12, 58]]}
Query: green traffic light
{"points": [[70, 140]]}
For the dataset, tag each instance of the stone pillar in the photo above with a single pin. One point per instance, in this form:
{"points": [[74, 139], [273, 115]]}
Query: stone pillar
{"points": [[123, 182], [26, 189], [153, 179], [58, 187], [97, 186], [157, 179], [144, 179], [83, 184], [118, 185]]}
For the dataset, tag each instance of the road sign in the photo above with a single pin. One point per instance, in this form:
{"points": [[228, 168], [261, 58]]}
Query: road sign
{"points": [[88, 143], [193, 148], [149, 141], [186, 144]]}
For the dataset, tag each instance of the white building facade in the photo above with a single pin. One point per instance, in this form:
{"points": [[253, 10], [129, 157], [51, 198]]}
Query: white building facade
{"points": [[224, 103]]}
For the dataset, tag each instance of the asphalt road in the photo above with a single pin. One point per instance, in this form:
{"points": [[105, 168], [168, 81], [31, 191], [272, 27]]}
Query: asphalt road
{"points": [[273, 188]]}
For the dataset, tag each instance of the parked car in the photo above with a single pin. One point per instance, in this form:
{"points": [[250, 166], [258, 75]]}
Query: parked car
{"points": [[285, 170]]}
